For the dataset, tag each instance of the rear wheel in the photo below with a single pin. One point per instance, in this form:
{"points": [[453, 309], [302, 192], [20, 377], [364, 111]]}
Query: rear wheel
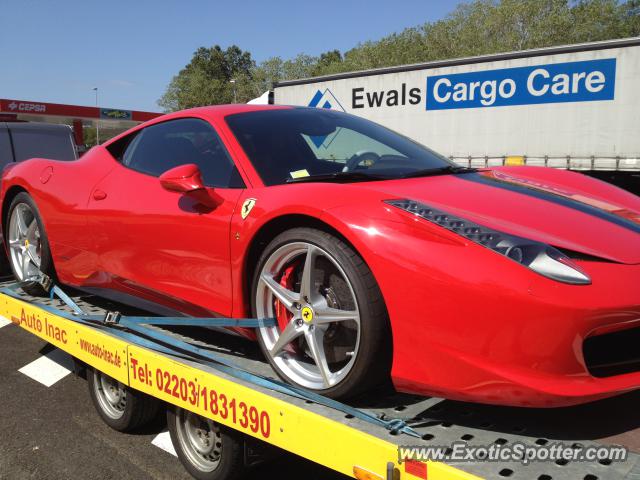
{"points": [[207, 450], [332, 334], [29, 253]]}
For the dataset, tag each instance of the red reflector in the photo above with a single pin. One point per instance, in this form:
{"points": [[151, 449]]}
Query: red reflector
{"points": [[419, 469]]}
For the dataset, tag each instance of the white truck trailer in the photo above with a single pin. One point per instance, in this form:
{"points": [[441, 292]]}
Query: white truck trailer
{"points": [[574, 106]]}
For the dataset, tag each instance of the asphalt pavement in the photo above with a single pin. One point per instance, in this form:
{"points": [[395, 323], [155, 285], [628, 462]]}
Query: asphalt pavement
{"points": [[54, 433]]}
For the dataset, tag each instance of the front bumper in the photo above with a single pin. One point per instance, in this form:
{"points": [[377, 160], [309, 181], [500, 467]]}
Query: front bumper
{"points": [[469, 325]]}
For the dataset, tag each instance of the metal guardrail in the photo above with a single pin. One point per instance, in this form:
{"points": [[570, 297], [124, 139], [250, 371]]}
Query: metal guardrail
{"points": [[568, 162]]}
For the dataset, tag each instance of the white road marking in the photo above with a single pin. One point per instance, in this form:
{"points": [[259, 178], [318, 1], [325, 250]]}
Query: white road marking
{"points": [[163, 441], [50, 368], [4, 322]]}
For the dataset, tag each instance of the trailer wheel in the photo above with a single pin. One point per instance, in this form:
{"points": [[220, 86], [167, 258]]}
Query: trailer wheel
{"points": [[207, 450], [119, 406]]}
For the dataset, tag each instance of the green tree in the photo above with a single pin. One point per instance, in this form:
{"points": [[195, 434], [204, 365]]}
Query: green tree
{"points": [[478, 27], [327, 62], [631, 18], [275, 69], [492, 26], [106, 133], [207, 79], [267, 73], [299, 67]]}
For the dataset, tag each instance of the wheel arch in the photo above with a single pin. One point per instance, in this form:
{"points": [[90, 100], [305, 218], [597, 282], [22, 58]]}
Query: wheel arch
{"points": [[12, 192], [279, 224], [271, 229]]}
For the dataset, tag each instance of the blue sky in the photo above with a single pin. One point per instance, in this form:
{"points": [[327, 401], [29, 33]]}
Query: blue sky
{"points": [[57, 51]]}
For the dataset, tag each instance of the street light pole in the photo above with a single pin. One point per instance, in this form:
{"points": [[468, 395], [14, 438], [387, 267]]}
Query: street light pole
{"points": [[233, 82], [95, 89]]}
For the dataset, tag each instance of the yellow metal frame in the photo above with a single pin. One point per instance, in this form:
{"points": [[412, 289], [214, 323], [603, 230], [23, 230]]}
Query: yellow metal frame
{"points": [[330, 443]]}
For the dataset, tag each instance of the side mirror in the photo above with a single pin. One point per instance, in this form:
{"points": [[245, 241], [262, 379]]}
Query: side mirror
{"points": [[182, 179], [188, 179]]}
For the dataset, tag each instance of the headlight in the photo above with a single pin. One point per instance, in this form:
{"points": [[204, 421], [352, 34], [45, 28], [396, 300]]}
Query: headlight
{"points": [[539, 257]]}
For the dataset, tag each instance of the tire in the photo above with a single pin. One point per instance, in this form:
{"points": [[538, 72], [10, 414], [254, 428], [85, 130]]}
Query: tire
{"points": [[34, 240], [208, 451], [120, 407], [357, 349], [5, 268]]}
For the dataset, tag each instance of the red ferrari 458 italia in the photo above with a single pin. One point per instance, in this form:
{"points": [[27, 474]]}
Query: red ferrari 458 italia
{"points": [[378, 257]]}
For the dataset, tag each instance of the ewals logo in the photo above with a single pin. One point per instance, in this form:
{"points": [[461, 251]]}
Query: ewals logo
{"points": [[586, 81], [326, 100]]}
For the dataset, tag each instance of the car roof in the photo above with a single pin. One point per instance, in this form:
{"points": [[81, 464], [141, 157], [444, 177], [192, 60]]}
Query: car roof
{"points": [[35, 126], [217, 111], [213, 113]]}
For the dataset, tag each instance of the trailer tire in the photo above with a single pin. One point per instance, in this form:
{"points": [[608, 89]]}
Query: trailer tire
{"points": [[119, 406], [207, 450]]}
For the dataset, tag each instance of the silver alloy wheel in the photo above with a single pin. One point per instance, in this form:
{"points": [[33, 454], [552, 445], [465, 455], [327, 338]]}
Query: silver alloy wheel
{"points": [[300, 349], [200, 440], [111, 395], [25, 244]]}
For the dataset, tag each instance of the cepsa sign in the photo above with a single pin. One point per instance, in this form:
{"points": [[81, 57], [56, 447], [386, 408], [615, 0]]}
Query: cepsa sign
{"points": [[554, 83], [26, 107]]}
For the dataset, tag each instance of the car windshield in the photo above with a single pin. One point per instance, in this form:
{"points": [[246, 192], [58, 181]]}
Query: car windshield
{"points": [[306, 143]]}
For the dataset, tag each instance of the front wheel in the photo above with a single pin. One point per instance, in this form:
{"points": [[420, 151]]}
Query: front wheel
{"points": [[119, 406], [332, 334]]}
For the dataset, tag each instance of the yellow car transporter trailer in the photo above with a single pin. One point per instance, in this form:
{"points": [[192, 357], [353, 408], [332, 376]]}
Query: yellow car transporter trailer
{"points": [[238, 392]]}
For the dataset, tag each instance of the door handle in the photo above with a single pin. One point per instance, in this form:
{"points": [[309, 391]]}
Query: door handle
{"points": [[99, 195]]}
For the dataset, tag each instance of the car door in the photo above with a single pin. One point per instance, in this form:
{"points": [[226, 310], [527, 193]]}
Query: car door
{"points": [[163, 246]]}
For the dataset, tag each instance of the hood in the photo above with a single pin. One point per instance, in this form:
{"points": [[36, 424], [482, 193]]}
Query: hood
{"points": [[563, 209]]}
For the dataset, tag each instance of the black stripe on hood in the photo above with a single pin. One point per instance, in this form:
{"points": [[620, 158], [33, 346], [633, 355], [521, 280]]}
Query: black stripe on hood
{"points": [[556, 198]]}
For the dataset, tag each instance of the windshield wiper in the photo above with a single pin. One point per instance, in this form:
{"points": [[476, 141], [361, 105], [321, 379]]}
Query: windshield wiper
{"points": [[439, 171], [362, 176], [340, 177]]}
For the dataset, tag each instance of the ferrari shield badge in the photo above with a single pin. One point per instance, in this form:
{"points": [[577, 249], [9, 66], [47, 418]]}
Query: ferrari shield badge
{"points": [[247, 206]]}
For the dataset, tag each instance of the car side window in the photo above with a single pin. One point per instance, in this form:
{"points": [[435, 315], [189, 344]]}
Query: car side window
{"points": [[46, 143], [163, 146]]}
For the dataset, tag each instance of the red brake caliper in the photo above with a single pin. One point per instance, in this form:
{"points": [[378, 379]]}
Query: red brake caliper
{"points": [[283, 316]]}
